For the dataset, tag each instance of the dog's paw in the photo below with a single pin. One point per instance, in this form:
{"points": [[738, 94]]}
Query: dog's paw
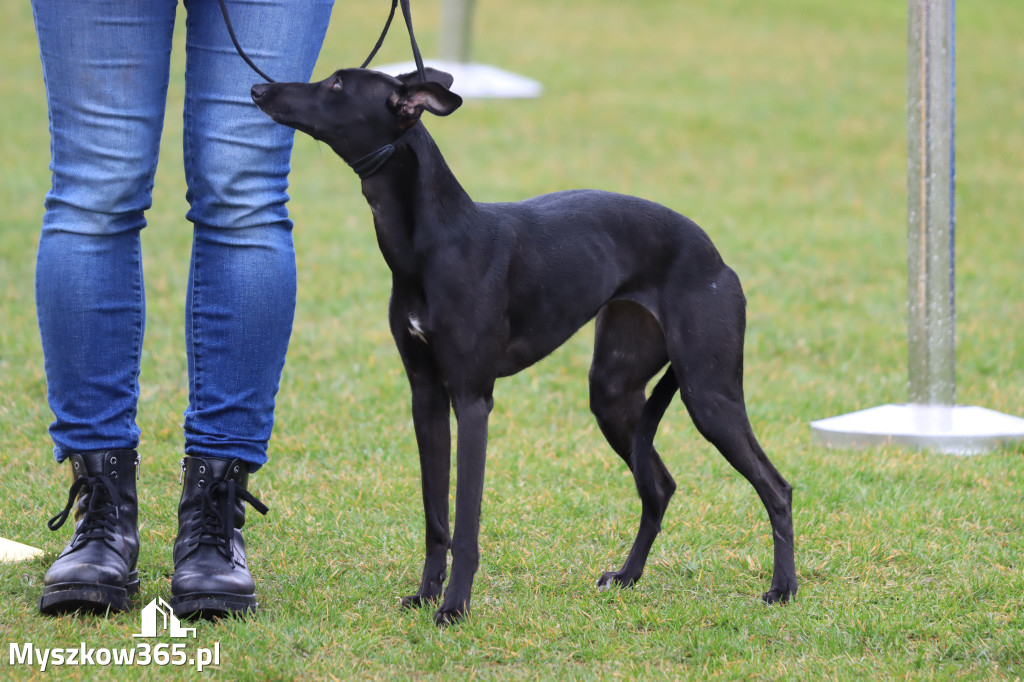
{"points": [[416, 601], [615, 579], [446, 616], [780, 594], [410, 602]]}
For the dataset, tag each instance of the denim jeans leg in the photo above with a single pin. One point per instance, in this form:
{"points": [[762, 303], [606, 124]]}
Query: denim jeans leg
{"points": [[241, 293], [105, 66]]}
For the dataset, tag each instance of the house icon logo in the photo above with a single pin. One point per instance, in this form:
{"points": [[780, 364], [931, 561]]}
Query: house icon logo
{"points": [[157, 615]]}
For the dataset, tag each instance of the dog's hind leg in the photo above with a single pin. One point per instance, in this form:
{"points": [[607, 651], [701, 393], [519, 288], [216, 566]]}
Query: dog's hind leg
{"points": [[629, 349], [706, 351]]}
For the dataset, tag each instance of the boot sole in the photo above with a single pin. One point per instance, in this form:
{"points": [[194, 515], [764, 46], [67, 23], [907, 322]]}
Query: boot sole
{"points": [[89, 597], [210, 605]]}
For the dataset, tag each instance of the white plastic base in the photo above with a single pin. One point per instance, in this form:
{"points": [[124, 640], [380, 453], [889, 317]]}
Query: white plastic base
{"points": [[954, 430], [475, 80], [11, 551]]}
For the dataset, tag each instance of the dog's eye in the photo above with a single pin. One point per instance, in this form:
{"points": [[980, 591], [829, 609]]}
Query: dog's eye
{"points": [[336, 83]]}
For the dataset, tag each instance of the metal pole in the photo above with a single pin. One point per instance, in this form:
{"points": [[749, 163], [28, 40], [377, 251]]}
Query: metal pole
{"points": [[456, 28], [931, 419], [931, 323]]}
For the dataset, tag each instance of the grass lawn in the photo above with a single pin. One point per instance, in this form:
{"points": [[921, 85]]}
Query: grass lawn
{"points": [[779, 127]]}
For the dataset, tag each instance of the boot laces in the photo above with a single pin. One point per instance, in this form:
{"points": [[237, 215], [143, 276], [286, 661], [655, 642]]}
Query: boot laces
{"points": [[100, 518], [217, 515]]}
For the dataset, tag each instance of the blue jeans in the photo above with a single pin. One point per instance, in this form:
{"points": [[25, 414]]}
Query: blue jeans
{"points": [[106, 66]]}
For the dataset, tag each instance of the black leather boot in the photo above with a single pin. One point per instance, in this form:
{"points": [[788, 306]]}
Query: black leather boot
{"points": [[96, 571], [211, 578]]}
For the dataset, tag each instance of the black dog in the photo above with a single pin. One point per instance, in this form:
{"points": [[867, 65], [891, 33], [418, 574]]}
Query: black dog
{"points": [[481, 291]]}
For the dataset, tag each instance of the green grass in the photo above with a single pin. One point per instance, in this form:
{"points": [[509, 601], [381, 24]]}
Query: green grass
{"points": [[779, 126]]}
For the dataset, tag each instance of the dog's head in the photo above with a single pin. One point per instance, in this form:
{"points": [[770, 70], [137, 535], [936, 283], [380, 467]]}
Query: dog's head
{"points": [[357, 111]]}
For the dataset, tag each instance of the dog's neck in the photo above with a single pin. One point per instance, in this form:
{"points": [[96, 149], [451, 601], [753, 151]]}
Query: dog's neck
{"points": [[414, 197]]}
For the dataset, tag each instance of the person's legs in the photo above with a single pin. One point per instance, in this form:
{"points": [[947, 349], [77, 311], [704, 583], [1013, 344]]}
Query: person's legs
{"points": [[105, 65], [241, 293]]}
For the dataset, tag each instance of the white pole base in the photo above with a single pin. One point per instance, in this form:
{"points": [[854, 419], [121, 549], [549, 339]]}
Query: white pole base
{"points": [[11, 551], [953, 430], [475, 80]]}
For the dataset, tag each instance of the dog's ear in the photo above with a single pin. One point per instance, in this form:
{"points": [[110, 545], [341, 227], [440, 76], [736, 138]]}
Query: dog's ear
{"points": [[411, 100], [432, 74]]}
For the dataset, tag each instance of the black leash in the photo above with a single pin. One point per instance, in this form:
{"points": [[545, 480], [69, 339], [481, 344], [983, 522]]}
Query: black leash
{"points": [[238, 48], [380, 41]]}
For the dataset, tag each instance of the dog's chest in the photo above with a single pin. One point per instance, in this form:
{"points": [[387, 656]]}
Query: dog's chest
{"points": [[416, 328]]}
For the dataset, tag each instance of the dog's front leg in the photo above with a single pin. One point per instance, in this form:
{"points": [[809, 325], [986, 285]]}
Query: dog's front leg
{"points": [[431, 410], [431, 413], [471, 450]]}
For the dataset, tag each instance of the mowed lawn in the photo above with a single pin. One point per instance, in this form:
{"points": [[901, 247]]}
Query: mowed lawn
{"points": [[779, 126]]}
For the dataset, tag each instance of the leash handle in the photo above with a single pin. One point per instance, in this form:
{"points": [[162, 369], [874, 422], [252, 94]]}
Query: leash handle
{"points": [[238, 48], [383, 34], [412, 39], [407, 12]]}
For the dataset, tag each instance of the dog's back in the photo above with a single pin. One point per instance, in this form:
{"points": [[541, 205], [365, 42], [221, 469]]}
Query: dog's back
{"points": [[569, 253]]}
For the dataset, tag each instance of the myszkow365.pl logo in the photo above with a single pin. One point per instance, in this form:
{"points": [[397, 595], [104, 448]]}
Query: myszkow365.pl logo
{"points": [[157, 616]]}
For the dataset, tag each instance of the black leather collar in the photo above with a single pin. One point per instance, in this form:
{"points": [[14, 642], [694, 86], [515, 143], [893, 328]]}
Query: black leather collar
{"points": [[372, 162]]}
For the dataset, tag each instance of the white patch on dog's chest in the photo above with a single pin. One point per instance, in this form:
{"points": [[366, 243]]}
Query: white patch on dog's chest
{"points": [[416, 329]]}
